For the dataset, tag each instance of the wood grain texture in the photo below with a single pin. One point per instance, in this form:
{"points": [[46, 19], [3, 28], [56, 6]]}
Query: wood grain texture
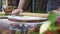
{"points": [[34, 14]]}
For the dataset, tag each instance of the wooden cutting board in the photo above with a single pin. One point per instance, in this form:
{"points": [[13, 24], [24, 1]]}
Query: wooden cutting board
{"points": [[34, 14]]}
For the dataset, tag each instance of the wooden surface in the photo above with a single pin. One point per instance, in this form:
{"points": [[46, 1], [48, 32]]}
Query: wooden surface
{"points": [[34, 14], [4, 31]]}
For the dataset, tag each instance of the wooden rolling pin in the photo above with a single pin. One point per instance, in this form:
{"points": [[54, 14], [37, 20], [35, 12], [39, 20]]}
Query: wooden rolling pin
{"points": [[34, 14]]}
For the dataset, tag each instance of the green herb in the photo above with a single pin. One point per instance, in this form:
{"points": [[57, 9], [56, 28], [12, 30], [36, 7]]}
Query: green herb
{"points": [[52, 17]]}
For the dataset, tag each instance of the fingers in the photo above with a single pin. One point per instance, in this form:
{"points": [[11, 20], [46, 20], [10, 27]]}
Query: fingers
{"points": [[15, 11]]}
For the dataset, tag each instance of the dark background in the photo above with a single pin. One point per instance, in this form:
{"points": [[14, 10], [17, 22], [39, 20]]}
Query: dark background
{"points": [[0, 4], [38, 7]]}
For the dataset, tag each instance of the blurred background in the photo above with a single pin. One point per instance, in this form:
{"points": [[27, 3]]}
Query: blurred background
{"points": [[34, 6], [0, 4]]}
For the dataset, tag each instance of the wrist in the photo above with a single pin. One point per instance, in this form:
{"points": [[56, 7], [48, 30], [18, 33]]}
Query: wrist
{"points": [[21, 10]]}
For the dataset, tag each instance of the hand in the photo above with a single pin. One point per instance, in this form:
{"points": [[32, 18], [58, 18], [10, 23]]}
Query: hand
{"points": [[17, 11]]}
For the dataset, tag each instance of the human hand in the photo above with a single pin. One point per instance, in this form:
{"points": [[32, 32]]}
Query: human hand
{"points": [[17, 11]]}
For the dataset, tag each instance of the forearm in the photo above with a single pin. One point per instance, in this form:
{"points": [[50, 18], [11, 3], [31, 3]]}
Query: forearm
{"points": [[21, 4], [20, 7]]}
